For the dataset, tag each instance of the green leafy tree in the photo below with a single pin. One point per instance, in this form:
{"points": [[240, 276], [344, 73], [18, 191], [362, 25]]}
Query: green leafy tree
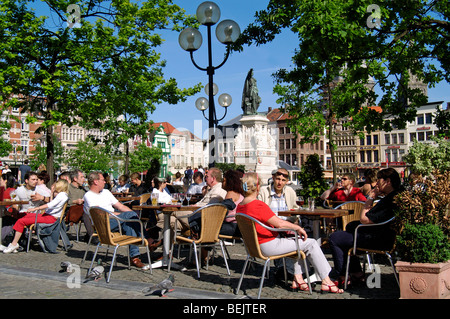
{"points": [[5, 146], [39, 155], [312, 178], [86, 62], [346, 48], [146, 159], [89, 156], [227, 166], [425, 157]]}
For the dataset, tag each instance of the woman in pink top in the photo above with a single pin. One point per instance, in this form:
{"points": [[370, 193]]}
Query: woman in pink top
{"points": [[272, 244]]}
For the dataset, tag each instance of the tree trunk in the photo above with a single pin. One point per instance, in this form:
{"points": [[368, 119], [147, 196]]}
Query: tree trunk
{"points": [[50, 154], [127, 157]]}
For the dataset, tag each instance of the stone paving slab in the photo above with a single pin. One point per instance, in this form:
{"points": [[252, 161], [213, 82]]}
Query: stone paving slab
{"points": [[41, 268]]}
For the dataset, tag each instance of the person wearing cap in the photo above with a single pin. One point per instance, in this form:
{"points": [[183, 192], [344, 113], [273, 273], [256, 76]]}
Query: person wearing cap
{"points": [[278, 195]]}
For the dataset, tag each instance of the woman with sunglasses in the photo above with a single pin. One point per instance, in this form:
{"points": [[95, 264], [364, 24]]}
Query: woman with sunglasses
{"points": [[344, 190]]}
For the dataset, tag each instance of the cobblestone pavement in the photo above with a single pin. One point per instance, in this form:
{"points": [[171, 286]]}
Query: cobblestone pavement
{"points": [[38, 277]]}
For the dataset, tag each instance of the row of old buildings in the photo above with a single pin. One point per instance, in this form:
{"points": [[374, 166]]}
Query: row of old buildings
{"points": [[182, 148]]}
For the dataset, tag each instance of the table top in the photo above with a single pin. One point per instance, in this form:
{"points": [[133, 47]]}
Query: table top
{"points": [[12, 202], [320, 212], [129, 198], [167, 208]]}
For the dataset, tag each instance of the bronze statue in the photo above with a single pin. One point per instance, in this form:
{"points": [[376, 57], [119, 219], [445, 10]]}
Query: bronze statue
{"points": [[250, 97]]}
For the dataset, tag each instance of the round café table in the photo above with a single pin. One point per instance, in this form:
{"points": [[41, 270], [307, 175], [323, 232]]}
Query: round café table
{"points": [[167, 210]]}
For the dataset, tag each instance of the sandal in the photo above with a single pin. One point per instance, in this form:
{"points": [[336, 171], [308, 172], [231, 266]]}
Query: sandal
{"points": [[299, 286], [330, 289]]}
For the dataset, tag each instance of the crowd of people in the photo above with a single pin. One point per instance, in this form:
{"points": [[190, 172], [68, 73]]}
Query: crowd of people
{"points": [[241, 192]]}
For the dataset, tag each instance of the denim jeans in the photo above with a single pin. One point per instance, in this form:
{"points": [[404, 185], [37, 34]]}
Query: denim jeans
{"points": [[130, 229]]}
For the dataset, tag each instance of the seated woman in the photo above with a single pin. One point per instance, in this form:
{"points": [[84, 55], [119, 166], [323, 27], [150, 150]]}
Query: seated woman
{"points": [[272, 244], [10, 215], [370, 176], [232, 184], [53, 212], [388, 184], [159, 188]]}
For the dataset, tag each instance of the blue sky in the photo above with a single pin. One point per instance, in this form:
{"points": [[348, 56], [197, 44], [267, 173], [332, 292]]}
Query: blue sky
{"points": [[230, 78], [265, 60]]}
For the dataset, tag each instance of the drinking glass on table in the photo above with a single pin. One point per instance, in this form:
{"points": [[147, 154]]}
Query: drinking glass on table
{"points": [[300, 201], [154, 197], [311, 203], [13, 195], [188, 197], [175, 197], [182, 197]]}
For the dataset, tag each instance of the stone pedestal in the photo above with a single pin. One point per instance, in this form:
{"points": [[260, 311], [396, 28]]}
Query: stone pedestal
{"points": [[256, 146]]}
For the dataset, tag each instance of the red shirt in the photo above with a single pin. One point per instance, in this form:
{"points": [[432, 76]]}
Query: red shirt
{"points": [[355, 195], [262, 212]]}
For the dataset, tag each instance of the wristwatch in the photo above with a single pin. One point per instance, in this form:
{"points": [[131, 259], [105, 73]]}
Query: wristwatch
{"points": [[370, 197]]}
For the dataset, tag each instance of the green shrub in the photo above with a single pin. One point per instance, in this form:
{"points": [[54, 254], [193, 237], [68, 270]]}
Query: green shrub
{"points": [[423, 243]]}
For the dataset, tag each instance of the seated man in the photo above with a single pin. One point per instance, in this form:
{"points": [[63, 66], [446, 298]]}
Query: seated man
{"points": [[137, 187], [215, 192], [74, 205], [99, 196], [278, 195], [123, 185], [197, 186], [344, 191], [27, 192]]}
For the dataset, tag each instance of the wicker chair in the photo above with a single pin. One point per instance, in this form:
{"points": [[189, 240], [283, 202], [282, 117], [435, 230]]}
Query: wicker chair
{"points": [[101, 219], [212, 216], [355, 206], [247, 226], [355, 250], [33, 227]]}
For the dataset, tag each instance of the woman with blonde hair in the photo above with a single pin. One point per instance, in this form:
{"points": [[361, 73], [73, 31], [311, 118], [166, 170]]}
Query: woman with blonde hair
{"points": [[272, 244], [53, 211]]}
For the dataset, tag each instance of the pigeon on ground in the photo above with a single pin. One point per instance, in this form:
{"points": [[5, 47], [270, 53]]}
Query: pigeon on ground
{"points": [[164, 286], [66, 266], [96, 273]]}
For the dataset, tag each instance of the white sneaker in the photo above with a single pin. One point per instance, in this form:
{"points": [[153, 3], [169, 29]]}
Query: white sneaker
{"points": [[10, 249], [2, 248]]}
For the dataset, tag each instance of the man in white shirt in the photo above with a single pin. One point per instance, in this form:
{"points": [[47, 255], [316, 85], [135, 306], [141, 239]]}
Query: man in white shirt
{"points": [[197, 186], [215, 193], [27, 192], [101, 197]]}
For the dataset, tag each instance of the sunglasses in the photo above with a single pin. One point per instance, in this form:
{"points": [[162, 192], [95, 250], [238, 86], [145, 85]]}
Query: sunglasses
{"points": [[344, 178], [282, 174]]}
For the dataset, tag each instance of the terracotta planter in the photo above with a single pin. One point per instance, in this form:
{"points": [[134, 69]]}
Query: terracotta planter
{"points": [[424, 281]]}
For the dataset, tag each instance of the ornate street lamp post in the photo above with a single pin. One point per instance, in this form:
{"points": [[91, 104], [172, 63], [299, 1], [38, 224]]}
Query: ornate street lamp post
{"points": [[190, 39]]}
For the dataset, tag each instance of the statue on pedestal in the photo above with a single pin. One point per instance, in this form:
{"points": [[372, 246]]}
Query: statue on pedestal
{"points": [[250, 97]]}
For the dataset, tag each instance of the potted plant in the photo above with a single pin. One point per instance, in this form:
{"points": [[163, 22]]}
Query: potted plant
{"points": [[423, 237]]}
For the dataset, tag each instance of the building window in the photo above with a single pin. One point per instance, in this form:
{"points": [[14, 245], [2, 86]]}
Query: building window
{"points": [[24, 145], [369, 156], [401, 138], [420, 119], [421, 136], [428, 118], [375, 140], [387, 139], [362, 156], [394, 139], [376, 157]]}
